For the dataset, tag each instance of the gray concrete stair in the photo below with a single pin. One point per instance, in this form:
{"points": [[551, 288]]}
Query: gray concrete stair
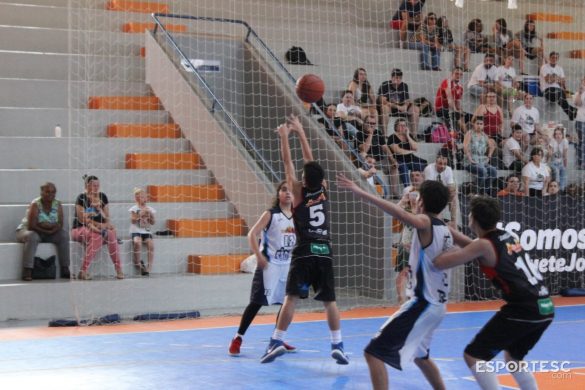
{"points": [[87, 153], [40, 122]]}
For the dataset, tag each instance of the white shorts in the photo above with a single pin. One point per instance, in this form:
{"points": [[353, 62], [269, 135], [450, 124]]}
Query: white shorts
{"points": [[274, 277], [407, 334]]}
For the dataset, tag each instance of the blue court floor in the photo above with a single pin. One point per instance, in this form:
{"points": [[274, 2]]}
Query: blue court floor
{"points": [[196, 359]]}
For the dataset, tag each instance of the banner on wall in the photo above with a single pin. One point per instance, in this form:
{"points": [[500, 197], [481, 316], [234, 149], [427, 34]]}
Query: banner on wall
{"points": [[551, 231]]}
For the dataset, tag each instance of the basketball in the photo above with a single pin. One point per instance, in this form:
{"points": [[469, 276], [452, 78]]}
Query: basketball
{"points": [[310, 88]]}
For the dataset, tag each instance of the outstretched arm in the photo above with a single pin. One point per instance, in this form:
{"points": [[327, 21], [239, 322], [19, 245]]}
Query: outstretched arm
{"points": [[289, 168], [419, 221], [297, 127], [479, 249]]}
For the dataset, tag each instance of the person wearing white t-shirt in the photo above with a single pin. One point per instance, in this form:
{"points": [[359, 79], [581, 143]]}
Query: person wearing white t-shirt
{"points": [[558, 152], [553, 84], [528, 117], [512, 155], [349, 113], [506, 84], [483, 78], [442, 172], [142, 219], [535, 175]]}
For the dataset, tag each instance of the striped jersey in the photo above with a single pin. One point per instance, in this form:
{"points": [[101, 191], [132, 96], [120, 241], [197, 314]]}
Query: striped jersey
{"points": [[425, 281]]}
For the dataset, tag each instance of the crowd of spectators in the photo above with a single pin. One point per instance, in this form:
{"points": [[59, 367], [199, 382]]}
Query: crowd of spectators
{"points": [[498, 134]]}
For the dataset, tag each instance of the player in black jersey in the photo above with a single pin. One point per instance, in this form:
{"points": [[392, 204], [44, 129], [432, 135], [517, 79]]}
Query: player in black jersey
{"points": [[312, 258], [528, 311]]}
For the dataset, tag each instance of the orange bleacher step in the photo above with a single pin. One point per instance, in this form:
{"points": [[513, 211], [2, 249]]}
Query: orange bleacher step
{"points": [[577, 54], [137, 6], [394, 257], [215, 264], [143, 51], [147, 130], [124, 103], [138, 27], [163, 161], [567, 35], [546, 17], [207, 227], [185, 193]]}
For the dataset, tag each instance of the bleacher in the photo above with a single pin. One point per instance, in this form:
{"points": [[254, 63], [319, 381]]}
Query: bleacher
{"points": [[50, 68]]}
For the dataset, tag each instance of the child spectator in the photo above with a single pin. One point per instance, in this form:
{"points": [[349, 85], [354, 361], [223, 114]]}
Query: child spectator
{"points": [[512, 187], [580, 125], [142, 218], [558, 155]]}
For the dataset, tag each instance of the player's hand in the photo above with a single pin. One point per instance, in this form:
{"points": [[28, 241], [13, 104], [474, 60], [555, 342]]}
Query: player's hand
{"points": [[294, 123], [261, 261], [283, 130], [345, 183]]}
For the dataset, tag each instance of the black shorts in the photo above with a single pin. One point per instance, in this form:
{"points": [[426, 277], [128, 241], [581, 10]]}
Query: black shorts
{"points": [[144, 236], [307, 271], [504, 334]]}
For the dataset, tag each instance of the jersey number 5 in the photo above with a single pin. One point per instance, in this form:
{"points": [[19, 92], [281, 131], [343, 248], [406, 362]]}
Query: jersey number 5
{"points": [[316, 215]]}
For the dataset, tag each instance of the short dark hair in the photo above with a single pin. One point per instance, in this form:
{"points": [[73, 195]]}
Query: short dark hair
{"points": [[346, 91], [516, 127], [396, 72], [434, 195], [313, 175], [536, 151], [485, 211]]}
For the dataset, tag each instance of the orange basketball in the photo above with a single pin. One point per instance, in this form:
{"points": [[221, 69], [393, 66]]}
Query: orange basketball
{"points": [[310, 88]]}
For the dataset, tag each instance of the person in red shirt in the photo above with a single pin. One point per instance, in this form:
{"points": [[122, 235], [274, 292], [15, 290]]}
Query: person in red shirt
{"points": [[448, 101], [512, 187]]}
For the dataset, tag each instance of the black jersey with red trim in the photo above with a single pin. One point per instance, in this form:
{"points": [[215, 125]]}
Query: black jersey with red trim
{"points": [[518, 278], [311, 217]]}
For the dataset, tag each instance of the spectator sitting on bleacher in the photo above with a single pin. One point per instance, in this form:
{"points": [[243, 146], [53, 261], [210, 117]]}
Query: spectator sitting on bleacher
{"points": [[513, 156], [512, 187], [553, 188], [505, 43], [43, 223], [478, 151], [394, 100], [370, 141], [528, 117], [460, 52], [507, 87], [333, 125], [428, 41], [535, 174], [448, 102], [574, 191], [493, 117], [404, 147], [409, 14], [362, 91], [442, 172], [350, 114], [558, 155], [483, 78], [580, 124], [553, 84], [531, 42], [92, 227], [474, 39], [368, 169]]}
